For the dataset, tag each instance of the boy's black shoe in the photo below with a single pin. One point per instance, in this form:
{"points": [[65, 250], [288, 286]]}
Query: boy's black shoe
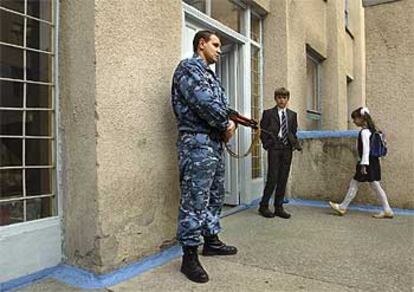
{"points": [[191, 266], [280, 212], [265, 212], [214, 246]]}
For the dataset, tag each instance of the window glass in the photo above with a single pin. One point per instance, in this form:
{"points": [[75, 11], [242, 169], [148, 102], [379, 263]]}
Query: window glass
{"points": [[11, 183], [228, 13], [39, 35], [11, 94], [10, 152], [11, 28], [11, 122], [40, 9], [39, 95], [27, 170], [198, 4], [16, 5], [256, 109], [255, 28], [38, 152], [39, 66], [313, 99], [11, 62], [38, 123], [11, 212]]}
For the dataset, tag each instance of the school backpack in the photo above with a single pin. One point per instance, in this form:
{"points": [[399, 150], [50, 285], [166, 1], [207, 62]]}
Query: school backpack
{"points": [[378, 144]]}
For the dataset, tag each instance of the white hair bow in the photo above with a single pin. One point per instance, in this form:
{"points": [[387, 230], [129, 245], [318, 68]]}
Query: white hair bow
{"points": [[364, 110]]}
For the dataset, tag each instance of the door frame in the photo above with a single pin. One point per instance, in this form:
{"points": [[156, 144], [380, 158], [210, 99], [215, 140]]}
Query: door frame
{"points": [[249, 189]]}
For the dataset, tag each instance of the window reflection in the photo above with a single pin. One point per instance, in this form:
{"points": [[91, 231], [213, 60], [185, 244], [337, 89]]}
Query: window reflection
{"points": [[255, 28], [40, 8], [255, 109], [11, 94], [39, 35], [38, 181], [16, 5], [38, 152], [39, 95], [11, 212], [11, 183], [39, 66], [228, 13], [11, 28], [10, 152], [11, 62], [11, 122], [198, 4], [38, 123], [40, 208]]}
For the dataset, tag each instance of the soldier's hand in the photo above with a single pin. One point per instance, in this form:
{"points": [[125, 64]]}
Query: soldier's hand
{"points": [[231, 128]]}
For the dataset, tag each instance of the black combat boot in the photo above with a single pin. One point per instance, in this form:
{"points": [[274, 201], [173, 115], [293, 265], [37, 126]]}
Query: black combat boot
{"points": [[214, 246], [191, 266]]}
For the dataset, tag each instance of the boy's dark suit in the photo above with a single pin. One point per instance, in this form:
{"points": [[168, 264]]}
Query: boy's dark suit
{"points": [[279, 154]]}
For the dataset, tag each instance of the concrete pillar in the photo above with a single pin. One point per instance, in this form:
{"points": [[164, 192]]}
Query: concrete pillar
{"points": [[121, 182]]}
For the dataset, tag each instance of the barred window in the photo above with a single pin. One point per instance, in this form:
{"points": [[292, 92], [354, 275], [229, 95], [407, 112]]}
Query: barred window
{"points": [[27, 111]]}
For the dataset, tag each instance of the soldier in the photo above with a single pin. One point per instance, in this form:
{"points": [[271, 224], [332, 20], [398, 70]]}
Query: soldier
{"points": [[200, 107]]}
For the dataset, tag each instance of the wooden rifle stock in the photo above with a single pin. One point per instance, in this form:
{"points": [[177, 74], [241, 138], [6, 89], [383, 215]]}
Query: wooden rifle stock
{"points": [[242, 120]]}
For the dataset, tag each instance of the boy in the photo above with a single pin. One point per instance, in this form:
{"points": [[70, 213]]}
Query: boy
{"points": [[279, 126]]}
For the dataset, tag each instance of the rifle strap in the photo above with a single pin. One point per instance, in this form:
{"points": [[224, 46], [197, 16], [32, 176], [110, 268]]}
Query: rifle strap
{"points": [[254, 141]]}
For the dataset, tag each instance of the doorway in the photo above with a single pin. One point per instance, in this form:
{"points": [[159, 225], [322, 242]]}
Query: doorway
{"points": [[228, 70]]}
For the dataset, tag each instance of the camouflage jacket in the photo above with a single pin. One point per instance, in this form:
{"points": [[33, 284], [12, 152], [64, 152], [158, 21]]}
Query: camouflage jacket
{"points": [[198, 100]]}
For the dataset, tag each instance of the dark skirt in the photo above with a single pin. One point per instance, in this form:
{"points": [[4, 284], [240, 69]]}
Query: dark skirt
{"points": [[373, 171]]}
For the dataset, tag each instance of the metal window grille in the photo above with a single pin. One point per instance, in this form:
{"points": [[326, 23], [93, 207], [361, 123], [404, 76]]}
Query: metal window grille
{"points": [[27, 110]]}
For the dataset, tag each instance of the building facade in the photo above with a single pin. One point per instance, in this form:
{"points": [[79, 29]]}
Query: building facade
{"points": [[89, 169], [390, 90]]}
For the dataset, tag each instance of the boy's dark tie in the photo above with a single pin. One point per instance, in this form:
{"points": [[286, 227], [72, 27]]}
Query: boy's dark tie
{"points": [[284, 129]]}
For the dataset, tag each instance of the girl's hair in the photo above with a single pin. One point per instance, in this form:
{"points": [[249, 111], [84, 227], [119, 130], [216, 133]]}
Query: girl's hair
{"points": [[359, 113]]}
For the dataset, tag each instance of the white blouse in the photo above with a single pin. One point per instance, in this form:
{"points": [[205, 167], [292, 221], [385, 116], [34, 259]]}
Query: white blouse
{"points": [[365, 135]]}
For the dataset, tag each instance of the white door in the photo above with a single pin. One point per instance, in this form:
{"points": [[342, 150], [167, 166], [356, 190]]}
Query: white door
{"points": [[227, 71]]}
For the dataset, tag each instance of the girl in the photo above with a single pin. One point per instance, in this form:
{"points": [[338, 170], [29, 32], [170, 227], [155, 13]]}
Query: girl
{"points": [[368, 168]]}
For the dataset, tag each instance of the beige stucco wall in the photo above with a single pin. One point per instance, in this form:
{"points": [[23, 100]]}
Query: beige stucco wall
{"points": [[288, 28], [121, 190], [390, 91], [323, 170]]}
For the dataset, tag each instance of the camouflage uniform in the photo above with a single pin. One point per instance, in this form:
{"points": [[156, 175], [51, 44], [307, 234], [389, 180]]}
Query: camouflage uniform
{"points": [[201, 109]]}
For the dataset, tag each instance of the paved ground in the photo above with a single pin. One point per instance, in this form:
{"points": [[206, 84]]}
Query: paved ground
{"points": [[313, 251]]}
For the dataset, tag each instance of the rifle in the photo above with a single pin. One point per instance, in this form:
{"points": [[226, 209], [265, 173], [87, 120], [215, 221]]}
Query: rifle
{"points": [[242, 120], [251, 123]]}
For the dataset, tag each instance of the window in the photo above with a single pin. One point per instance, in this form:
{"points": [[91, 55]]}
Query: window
{"points": [[27, 111], [313, 61], [228, 12]]}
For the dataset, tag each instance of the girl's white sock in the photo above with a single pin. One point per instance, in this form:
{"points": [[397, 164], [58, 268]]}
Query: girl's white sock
{"points": [[376, 186], [350, 195]]}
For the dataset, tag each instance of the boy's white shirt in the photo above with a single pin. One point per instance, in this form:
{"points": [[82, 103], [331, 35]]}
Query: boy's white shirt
{"points": [[365, 135]]}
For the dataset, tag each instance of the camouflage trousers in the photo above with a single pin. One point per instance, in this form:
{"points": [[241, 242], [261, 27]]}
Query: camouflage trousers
{"points": [[201, 165]]}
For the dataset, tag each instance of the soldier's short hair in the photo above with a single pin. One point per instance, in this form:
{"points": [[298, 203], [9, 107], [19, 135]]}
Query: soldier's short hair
{"points": [[202, 34], [281, 91]]}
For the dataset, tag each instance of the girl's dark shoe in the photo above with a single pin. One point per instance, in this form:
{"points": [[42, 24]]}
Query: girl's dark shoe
{"points": [[191, 266], [214, 246]]}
